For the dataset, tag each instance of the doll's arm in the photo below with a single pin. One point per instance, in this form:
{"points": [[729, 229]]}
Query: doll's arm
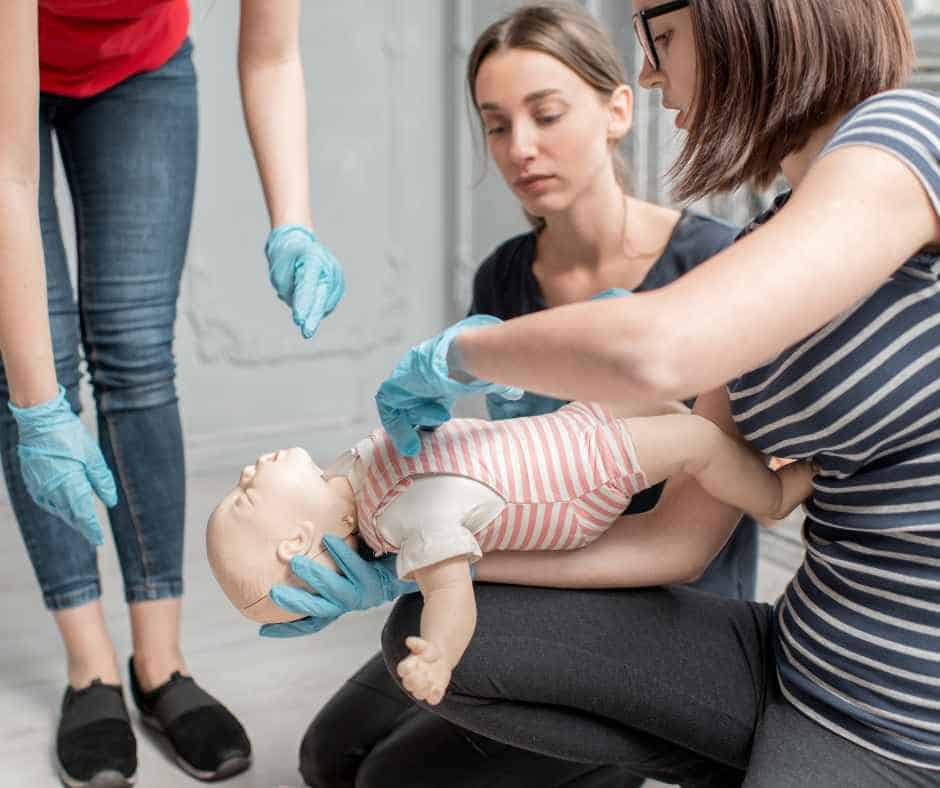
{"points": [[447, 623]]}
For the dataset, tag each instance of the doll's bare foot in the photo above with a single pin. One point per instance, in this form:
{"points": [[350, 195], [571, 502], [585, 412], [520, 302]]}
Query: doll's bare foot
{"points": [[424, 674], [796, 481]]}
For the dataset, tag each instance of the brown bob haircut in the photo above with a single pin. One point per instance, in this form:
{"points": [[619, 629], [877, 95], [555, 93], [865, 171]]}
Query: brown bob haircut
{"points": [[771, 72]]}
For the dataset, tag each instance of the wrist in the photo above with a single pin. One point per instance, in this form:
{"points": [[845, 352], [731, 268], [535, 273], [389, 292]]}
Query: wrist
{"points": [[283, 228], [455, 364], [30, 407]]}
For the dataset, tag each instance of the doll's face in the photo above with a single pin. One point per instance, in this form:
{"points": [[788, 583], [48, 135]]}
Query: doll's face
{"points": [[281, 507]]}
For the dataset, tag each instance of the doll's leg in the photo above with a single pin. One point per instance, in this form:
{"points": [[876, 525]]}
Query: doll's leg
{"points": [[724, 466]]}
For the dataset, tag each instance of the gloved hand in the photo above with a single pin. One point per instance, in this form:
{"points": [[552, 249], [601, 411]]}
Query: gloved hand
{"points": [[610, 292], [529, 405], [362, 585], [61, 464], [305, 275], [420, 392]]}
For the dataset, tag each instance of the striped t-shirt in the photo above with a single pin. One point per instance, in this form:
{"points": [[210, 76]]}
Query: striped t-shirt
{"points": [[564, 478], [858, 629]]}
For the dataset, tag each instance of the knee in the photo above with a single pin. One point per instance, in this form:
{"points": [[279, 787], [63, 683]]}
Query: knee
{"points": [[132, 377], [320, 758]]}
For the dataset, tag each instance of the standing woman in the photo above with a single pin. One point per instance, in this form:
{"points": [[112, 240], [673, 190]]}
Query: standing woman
{"points": [[116, 87], [549, 88], [816, 336]]}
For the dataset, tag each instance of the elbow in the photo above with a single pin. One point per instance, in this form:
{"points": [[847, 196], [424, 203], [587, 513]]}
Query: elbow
{"points": [[255, 56], [649, 361], [693, 574]]}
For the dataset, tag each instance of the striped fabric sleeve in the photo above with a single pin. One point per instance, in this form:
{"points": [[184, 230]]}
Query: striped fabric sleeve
{"points": [[904, 123]]}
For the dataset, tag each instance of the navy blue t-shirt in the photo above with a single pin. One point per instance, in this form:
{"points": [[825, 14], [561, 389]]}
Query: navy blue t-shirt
{"points": [[506, 287], [858, 630]]}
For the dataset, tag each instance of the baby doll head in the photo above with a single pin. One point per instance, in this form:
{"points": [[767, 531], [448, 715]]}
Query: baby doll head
{"points": [[282, 506]]}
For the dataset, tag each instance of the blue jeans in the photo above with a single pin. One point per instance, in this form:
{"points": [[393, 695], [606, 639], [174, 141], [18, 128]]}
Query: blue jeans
{"points": [[130, 160]]}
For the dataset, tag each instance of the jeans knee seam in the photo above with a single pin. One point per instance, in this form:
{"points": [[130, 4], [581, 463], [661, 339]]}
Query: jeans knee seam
{"points": [[119, 470]]}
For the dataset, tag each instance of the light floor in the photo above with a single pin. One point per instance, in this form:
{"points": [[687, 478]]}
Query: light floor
{"points": [[274, 686]]}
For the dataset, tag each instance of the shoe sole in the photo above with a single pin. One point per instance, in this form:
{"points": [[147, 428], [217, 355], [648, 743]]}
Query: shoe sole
{"points": [[226, 769], [106, 779]]}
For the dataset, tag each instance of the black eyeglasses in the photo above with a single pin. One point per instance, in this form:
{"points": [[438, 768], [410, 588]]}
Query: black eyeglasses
{"points": [[641, 26]]}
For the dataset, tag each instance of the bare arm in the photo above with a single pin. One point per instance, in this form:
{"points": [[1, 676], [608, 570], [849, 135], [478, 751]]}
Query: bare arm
{"points": [[25, 343], [856, 217], [450, 611], [672, 544], [447, 623], [275, 106]]}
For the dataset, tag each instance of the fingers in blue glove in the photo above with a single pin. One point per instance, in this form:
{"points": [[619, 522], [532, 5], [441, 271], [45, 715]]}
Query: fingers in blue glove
{"points": [[330, 585], [429, 414], [304, 603], [359, 571], [610, 292], [309, 308], [293, 629], [102, 480], [399, 428], [81, 512], [508, 392]]}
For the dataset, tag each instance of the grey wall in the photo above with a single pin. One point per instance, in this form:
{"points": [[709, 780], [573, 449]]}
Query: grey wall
{"points": [[377, 135], [400, 195]]}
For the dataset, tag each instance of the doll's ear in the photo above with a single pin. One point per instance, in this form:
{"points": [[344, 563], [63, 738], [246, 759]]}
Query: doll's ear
{"points": [[304, 535]]}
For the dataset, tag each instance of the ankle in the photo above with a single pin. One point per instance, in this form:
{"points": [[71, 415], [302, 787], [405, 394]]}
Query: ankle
{"points": [[82, 670], [152, 669]]}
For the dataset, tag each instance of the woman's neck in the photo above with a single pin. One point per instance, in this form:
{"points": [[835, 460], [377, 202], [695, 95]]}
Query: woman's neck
{"points": [[797, 164], [587, 233]]}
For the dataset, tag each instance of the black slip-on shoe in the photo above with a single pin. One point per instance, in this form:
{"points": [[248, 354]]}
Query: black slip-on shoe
{"points": [[209, 743], [95, 745]]}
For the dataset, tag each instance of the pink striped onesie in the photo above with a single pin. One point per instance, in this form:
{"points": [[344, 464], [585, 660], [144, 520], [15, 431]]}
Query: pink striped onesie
{"points": [[561, 479]]}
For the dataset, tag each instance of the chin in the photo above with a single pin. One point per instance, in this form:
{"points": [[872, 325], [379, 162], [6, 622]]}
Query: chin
{"points": [[544, 207]]}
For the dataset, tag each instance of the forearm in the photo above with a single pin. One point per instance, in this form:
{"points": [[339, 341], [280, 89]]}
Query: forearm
{"points": [[24, 321], [448, 618], [538, 352], [25, 342], [672, 544], [275, 106], [732, 313]]}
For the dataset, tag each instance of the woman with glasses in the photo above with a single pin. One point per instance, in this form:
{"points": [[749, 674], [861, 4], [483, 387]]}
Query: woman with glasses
{"points": [[817, 335], [552, 102]]}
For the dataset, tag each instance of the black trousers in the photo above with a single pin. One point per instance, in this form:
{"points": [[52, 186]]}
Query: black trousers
{"points": [[372, 734], [669, 683]]}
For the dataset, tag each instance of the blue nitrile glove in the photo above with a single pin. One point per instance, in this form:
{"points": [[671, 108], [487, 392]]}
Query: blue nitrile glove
{"points": [[305, 275], [362, 584], [420, 392], [529, 405], [61, 464], [610, 292]]}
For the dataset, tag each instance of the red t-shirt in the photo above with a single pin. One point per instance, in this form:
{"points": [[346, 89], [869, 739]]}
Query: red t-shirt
{"points": [[87, 46]]}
